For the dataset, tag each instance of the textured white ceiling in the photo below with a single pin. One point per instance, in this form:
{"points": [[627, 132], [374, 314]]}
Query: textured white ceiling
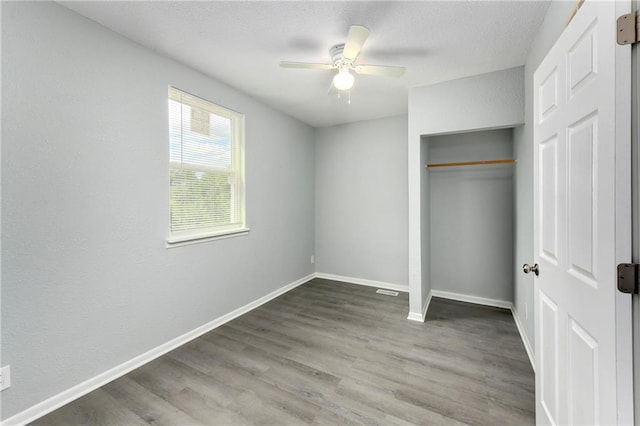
{"points": [[242, 42]]}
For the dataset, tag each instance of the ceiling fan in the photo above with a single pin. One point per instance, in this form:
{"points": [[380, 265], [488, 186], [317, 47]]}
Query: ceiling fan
{"points": [[343, 57]]}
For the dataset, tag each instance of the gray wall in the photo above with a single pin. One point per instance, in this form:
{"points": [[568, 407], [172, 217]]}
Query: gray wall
{"points": [[487, 101], [361, 200], [471, 221], [87, 282], [549, 32], [491, 100]]}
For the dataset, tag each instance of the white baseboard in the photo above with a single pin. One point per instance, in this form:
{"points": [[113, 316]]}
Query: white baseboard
{"points": [[421, 317], [472, 299], [425, 308], [525, 339], [362, 281], [414, 316], [71, 394]]}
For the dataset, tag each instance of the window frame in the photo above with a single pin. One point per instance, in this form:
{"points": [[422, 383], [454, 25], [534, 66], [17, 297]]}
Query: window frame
{"points": [[237, 148]]}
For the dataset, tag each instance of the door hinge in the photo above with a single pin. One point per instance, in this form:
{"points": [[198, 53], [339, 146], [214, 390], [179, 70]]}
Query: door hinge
{"points": [[629, 277], [628, 28]]}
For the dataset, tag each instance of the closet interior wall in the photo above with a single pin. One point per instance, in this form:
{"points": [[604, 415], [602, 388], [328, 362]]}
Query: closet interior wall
{"points": [[471, 215]]}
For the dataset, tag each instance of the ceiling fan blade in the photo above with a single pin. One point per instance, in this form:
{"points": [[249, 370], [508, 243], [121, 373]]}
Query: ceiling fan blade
{"points": [[355, 40], [381, 70], [307, 65]]}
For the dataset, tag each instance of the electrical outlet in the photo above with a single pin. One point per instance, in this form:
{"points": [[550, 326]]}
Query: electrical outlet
{"points": [[5, 377], [312, 259]]}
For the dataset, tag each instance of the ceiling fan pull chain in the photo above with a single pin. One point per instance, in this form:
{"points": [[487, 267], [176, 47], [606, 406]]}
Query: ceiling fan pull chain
{"points": [[349, 97]]}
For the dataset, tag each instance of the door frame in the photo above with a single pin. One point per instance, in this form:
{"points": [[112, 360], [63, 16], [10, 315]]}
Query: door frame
{"points": [[635, 196], [624, 221]]}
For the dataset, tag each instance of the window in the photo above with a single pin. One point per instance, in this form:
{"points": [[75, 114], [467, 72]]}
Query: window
{"points": [[206, 144]]}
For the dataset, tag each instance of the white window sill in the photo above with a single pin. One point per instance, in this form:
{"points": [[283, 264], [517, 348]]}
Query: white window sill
{"points": [[194, 239]]}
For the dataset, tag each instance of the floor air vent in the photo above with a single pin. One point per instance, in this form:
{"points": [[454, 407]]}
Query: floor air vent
{"points": [[387, 292]]}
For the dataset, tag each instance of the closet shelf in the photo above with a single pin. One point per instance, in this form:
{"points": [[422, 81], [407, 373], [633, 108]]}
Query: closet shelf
{"points": [[471, 163]]}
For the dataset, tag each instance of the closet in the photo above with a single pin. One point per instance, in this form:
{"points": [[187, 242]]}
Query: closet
{"points": [[470, 218]]}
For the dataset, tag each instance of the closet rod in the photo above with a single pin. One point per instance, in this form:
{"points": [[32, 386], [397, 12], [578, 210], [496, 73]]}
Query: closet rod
{"points": [[470, 163]]}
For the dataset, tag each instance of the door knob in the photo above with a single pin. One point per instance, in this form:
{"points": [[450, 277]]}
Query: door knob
{"points": [[528, 268]]}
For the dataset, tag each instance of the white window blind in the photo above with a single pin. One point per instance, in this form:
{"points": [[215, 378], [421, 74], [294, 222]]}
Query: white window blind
{"points": [[206, 143]]}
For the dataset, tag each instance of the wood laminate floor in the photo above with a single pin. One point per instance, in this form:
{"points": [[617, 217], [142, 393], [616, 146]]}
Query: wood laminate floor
{"points": [[329, 353]]}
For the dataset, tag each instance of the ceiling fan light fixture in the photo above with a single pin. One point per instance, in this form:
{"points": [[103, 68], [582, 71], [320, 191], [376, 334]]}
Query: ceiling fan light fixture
{"points": [[343, 58], [343, 80]]}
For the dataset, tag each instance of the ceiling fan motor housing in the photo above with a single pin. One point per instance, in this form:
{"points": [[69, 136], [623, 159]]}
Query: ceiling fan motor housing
{"points": [[336, 54]]}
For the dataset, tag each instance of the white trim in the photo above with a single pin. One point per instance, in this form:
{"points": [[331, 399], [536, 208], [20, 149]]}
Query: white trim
{"points": [[525, 340], [472, 299], [421, 317], [185, 241], [81, 389], [362, 281], [426, 305], [414, 316]]}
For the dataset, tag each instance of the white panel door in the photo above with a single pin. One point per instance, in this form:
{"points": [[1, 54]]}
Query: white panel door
{"points": [[577, 348]]}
